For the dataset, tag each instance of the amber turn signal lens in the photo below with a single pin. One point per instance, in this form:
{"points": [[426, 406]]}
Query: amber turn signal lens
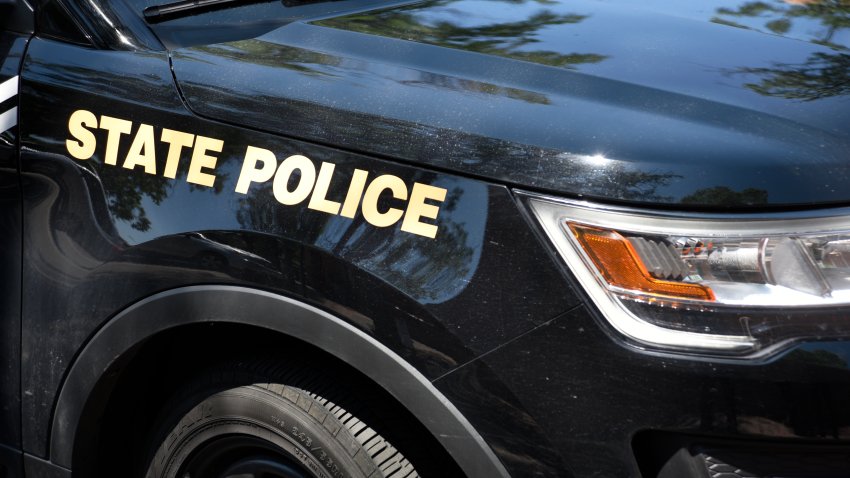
{"points": [[620, 266]]}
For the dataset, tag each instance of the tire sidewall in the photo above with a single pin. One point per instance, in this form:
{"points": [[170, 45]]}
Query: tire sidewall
{"points": [[302, 428]]}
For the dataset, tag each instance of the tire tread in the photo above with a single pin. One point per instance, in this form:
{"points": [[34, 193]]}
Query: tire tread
{"points": [[305, 389]]}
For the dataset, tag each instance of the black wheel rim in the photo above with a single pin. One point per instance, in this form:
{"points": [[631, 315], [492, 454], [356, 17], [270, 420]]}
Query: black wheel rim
{"points": [[241, 456]]}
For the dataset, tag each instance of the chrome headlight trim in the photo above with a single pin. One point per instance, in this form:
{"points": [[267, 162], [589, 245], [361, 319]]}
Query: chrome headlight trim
{"points": [[551, 213]]}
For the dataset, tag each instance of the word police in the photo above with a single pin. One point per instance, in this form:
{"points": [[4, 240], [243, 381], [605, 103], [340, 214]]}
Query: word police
{"points": [[259, 166]]}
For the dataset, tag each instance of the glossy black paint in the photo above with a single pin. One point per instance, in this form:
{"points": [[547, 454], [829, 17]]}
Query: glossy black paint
{"points": [[11, 51], [484, 310], [589, 398], [237, 22], [223, 306], [118, 235], [612, 101], [17, 16]]}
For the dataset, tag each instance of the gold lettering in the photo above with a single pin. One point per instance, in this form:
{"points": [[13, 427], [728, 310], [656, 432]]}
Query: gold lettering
{"points": [[355, 192], [418, 208], [85, 144], [250, 173], [177, 140], [319, 201], [116, 127], [259, 166], [201, 160], [144, 141], [373, 193], [305, 182]]}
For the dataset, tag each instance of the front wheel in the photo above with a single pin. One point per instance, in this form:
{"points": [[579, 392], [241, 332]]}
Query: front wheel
{"points": [[273, 430]]}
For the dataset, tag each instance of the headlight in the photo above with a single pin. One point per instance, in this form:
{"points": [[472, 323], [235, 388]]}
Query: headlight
{"points": [[730, 285]]}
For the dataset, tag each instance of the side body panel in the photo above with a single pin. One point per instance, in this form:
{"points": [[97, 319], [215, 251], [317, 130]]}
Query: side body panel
{"points": [[12, 47], [217, 305], [103, 236]]}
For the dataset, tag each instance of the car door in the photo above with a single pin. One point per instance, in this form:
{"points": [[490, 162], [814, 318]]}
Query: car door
{"points": [[15, 31]]}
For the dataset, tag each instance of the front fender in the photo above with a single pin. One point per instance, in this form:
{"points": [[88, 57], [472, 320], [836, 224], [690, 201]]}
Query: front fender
{"points": [[231, 304]]}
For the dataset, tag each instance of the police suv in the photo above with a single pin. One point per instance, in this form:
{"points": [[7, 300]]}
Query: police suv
{"points": [[481, 238]]}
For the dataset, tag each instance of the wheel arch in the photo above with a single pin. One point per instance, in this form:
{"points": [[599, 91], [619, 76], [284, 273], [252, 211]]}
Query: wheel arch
{"points": [[120, 336]]}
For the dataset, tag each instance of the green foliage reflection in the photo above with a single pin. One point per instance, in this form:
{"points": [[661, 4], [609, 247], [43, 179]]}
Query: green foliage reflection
{"points": [[507, 39], [822, 75], [779, 17]]}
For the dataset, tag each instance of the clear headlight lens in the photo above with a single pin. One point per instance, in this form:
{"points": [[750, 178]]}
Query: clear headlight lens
{"points": [[742, 285]]}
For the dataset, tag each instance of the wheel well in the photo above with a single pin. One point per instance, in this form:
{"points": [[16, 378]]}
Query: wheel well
{"points": [[120, 414], [155, 343]]}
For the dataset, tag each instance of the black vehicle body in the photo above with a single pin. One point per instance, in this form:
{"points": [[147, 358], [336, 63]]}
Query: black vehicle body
{"points": [[121, 280]]}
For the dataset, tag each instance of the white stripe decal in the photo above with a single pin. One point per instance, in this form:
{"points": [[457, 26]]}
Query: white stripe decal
{"points": [[8, 88], [8, 119]]}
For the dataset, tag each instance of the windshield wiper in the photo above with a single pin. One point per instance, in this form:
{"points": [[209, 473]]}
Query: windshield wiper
{"points": [[185, 8]]}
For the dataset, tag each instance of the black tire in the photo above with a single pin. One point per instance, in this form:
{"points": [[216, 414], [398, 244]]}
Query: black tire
{"points": [[269, 430]]}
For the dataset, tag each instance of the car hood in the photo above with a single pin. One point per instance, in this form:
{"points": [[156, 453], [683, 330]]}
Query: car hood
{"points": [[721, 104]]}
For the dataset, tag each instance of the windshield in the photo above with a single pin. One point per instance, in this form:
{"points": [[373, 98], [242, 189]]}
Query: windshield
{"points": [[238, 20]]}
